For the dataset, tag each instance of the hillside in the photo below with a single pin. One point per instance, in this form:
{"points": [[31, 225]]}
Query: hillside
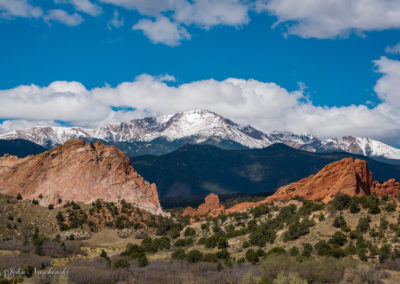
{"points": [[200, 169], [20, 148]]}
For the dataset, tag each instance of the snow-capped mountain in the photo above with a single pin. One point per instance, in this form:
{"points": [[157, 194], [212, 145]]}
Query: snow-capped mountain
{"points": [[159, 135]]}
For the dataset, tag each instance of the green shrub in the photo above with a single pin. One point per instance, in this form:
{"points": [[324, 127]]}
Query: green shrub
{"points": [[179, 254], [142, 261], [338, 239], [189, 232], [341, 201], [363, 224], [390, 207], [322, 248], [194, 256], [294, 251], [252, 256], [297, 230], [222, 254], [276, 251], [307, 250], [354, 207], [121, 263], [210, 257], [19, 196], [339, 221]]}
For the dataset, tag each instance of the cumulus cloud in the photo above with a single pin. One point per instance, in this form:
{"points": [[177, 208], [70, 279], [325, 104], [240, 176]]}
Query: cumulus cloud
{"points": [[393, 49], [208, 13], [264, 105], [19, 8], [85, 6], [168, 17], [58, 15], [162, 30], [145, 7], [332, 18]]}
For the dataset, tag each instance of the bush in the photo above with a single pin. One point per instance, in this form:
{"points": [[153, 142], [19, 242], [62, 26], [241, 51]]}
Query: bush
{"points": [[121, 263], [190, 232], [210, 257], [142, 261], [354, 207], [252, 256], [322, 248], [175, 233], [194, 256], [222, 243], [222, 254], [341, 201], [257, 239], [133, 251], [35, 202], [307, 250], [390, 207], [183, 242], [297, 230], [51, 206], [339, 221], [363, 224], [276, 251], [19, 196], [338, 239], [179, 254]]}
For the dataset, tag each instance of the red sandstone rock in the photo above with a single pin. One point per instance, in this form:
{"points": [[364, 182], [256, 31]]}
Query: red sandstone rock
{"points": [[211, 207], [346, 176], [79, 172]]}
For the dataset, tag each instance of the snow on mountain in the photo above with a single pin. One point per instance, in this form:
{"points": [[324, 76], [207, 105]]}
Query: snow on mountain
{"points": [[363, 146], [201, 126]]}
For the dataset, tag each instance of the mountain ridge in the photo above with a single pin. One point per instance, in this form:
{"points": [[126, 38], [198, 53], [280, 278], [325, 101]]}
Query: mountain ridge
{"points": [[163, 134], [196, 170]]}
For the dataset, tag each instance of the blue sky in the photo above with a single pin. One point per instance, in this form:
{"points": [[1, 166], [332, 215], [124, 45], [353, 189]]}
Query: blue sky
{"points": [[321, 69]]}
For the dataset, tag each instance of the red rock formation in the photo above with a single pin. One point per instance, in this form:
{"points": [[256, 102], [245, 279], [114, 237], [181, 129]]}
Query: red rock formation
{"points": [[346, 176], [211, 207], [79, 172]]}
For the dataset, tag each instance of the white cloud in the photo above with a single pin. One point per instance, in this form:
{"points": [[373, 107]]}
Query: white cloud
{"points": [[162, 30], [10, 125], [393, 49], [266, 106], [332, 18], [19, 8], [85, 6], [116, 21], [145, 7], [58, 15], [170, 16], [208, 13]]}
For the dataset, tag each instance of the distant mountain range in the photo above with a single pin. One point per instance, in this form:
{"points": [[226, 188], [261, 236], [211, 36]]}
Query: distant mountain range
{"points": [[164, 134], [20, 148], [196, 170]]}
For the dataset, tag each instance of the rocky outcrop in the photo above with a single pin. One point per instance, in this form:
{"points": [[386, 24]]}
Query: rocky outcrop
{"points": [[347, 176], [80, 172], [210, 208]]}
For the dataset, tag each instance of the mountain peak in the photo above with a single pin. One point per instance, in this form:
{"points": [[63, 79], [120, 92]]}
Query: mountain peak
{"points": [[166, 133]]}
